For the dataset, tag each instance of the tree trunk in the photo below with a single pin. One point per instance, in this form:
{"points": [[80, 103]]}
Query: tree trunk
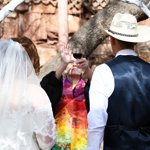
{"points": [[91, 34], [62, 23]]}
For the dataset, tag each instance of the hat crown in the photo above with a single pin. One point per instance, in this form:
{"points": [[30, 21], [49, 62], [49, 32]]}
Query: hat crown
{"points": [[125, 27], [125, 24]]}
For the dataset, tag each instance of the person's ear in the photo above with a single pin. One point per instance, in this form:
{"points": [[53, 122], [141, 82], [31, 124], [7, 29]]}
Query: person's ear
{"points": [[112, 41]]}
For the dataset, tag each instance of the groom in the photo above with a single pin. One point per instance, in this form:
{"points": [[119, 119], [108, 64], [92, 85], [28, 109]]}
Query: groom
{"points": [[120, 92]]}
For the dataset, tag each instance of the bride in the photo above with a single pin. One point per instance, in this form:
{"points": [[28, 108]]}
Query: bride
{"points": [[26, 118]]}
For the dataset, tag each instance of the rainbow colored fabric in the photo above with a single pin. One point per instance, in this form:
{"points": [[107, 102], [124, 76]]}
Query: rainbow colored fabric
{"points": [[71, 118]]}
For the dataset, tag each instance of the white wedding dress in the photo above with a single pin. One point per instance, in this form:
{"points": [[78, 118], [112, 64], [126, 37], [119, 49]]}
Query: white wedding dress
{"points": [[30, 128], [26, 118]]}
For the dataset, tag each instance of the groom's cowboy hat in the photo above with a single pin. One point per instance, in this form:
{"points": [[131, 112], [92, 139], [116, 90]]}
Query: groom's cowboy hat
{"points": [[124, 27]]}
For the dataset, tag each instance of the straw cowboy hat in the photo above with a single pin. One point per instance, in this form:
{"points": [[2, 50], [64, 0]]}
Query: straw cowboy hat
{"points": [[125, 28]]}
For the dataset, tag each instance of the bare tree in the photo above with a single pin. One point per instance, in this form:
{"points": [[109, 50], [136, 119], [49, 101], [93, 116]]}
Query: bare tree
{"points": [[91, 34]]}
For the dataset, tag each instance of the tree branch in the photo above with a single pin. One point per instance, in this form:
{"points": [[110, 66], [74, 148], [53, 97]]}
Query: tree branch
{"points": [[91, 34], [140, 4], [10, 7], [148, 5]]}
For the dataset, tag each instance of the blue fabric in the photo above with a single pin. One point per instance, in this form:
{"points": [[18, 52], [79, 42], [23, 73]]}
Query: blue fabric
{"points": [[128, 125]]}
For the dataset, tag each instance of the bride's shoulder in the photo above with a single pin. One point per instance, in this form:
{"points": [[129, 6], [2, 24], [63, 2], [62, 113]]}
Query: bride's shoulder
{"points": [[38, 95], [36, 88]]}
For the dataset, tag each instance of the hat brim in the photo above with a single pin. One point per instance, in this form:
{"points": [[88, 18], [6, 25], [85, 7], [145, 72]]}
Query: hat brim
{"points": [[143, 35]]}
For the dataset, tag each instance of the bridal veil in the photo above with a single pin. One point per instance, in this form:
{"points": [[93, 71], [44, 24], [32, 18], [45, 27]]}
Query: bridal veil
{"points": [[26, 118]]}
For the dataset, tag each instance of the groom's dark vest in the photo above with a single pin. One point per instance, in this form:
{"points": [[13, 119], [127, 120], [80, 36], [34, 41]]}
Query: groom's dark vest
{"points": [[128, 125]]}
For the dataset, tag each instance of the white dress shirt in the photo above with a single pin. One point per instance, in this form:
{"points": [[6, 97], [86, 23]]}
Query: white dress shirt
{"points": [[101, 88]]}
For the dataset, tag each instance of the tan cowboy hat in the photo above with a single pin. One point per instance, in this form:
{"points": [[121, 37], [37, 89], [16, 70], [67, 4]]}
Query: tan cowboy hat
{"points": [[124, 27]]}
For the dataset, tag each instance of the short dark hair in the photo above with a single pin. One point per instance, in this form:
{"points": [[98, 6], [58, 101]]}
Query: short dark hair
{"points": [[126, 44]]}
